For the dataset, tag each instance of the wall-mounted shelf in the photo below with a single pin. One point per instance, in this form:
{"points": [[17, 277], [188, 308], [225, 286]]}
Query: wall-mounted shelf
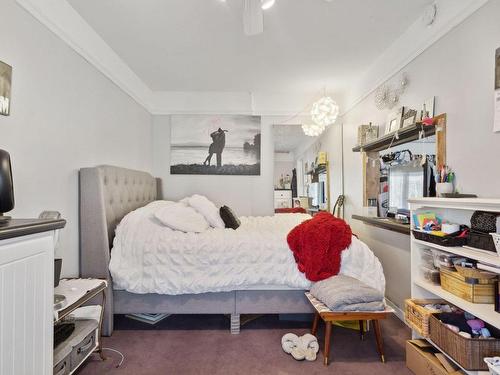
{"points": [[406, 134], [384, 223]]}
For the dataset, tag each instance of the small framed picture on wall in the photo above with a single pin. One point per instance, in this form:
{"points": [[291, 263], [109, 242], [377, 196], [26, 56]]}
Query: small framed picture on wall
{"points": [[394, 120], [5, 88]]}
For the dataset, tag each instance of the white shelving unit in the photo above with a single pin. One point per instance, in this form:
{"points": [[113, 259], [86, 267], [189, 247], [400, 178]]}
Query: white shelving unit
{"points": [[456, 210]]}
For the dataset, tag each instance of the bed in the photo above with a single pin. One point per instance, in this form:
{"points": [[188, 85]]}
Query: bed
{"points": [[107, 194]]}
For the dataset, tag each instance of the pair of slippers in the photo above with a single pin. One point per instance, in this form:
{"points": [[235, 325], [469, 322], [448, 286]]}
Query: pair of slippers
{"points": [[303, 347]]}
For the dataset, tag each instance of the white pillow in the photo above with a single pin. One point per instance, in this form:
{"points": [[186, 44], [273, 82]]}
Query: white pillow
{"points": [[205, 207], [181, 217]]}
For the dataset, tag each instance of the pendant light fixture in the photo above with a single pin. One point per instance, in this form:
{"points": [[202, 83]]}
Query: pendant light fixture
{"points": [[312, 130], [325, 111]]}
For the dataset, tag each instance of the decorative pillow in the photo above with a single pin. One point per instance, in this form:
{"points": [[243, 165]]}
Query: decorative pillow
{"points": [[206, 208], [229, 217], [181, 217], [345, 293]]}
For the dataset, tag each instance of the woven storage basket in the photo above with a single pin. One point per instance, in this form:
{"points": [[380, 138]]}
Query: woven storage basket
{"points": [[469, 353], [417, 316], [472, 290]]}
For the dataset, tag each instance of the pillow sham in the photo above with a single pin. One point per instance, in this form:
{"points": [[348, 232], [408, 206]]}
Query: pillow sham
{"points": [[180, 217], [206, 208], [229, 217]]}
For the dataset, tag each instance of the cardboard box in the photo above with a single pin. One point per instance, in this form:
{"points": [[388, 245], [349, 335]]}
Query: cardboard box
{"points": [[421, 360]]}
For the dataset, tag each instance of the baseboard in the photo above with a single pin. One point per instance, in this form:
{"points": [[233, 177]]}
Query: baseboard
{"points": [[397, 311]]}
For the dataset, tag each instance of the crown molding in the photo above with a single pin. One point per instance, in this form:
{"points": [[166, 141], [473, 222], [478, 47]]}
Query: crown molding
{"points": [[412, 43], [66, 23]]}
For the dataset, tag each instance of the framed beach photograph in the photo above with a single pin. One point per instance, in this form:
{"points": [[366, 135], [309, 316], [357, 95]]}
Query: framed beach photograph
{"points": [[215, 144], [5, 88], [394, 120]]}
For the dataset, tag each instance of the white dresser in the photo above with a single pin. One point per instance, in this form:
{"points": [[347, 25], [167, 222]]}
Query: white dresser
{"points": [[27, 296], [282, 198]]}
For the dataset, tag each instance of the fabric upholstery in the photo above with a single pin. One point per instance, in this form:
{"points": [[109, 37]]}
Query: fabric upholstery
{"points": [[107, 194], [229, 217]]}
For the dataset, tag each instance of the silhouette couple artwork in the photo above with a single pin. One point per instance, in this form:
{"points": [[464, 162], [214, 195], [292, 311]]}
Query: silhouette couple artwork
{"points": [[217, 146]]}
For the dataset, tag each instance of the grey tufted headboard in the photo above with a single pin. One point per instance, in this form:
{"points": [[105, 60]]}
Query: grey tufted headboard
{"points": [[107, 194]]}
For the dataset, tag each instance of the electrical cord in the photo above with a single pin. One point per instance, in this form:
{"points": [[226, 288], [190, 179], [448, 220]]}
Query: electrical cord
{"points": [[120, 353]]}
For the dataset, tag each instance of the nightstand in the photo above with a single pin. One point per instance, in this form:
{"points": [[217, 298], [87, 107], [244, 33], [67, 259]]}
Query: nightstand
{"points": [[86, 337]]}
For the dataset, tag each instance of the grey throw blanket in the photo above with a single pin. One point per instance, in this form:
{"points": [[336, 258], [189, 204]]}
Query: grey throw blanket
{"points": [[344, 293]]}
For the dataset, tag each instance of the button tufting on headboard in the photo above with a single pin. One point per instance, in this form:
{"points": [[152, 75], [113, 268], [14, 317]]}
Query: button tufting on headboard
{"points": [[123, 197]]}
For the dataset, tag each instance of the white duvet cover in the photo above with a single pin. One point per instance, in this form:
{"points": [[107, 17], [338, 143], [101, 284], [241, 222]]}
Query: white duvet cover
{"points": [[148, 257]]}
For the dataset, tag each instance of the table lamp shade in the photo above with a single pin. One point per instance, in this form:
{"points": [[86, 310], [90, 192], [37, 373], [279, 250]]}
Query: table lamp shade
{"points": [[6, 185]]}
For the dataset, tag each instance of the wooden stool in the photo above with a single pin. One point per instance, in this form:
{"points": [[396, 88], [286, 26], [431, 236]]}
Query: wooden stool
{"points": [[329, 316]]}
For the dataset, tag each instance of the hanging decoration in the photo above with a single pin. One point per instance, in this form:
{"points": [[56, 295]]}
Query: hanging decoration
{"points": [[313, 130], [387, 95], [324, 112]]}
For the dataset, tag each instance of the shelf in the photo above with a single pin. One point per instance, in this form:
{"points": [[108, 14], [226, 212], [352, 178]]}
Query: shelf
{"points": [[455, 362], [470, 204], [406, 134], [483, 311], [384, 223], [485, 256]]}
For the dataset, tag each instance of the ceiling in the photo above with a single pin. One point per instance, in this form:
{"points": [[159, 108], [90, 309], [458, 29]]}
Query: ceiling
{"points": [[288, 138], [199, 45]]}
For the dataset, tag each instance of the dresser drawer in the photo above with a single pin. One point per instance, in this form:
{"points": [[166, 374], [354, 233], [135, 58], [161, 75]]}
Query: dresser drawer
{"points": [[282, 203], [82, 349], [63, 367], [282, 194]]}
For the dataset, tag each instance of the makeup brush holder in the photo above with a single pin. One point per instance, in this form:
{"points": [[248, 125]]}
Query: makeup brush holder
{"points": [[444, 188]]}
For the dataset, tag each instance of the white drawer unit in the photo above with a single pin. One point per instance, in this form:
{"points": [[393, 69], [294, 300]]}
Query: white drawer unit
{"points": [[27, 296], [282, 199]]}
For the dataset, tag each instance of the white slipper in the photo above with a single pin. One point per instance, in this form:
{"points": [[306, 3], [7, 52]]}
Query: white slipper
{"points": [[289, 342], [298, 353]]}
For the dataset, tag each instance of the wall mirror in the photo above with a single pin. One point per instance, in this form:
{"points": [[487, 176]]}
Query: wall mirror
{"points": [[301, 178]]}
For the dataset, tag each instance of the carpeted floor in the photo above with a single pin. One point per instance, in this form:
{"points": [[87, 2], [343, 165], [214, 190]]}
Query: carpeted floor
{"points": [[202, 344]]}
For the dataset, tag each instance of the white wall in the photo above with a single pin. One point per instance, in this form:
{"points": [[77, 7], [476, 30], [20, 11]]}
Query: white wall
{"points": [[459, 71], [65, 115], [247, 195]]}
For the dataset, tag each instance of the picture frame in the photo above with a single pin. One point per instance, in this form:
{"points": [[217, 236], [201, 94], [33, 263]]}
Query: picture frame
{"points": [[409, 118], [394, 120], [5, 88]]}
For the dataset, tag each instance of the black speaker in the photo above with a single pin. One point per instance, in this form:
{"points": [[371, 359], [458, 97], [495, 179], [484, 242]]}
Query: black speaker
{"points": [[6, 186]]}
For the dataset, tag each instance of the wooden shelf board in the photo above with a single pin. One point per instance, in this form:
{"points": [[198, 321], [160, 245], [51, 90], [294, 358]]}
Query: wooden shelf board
{"points": [[407, 134], [483, 311], [384, 223], [486, 257]]}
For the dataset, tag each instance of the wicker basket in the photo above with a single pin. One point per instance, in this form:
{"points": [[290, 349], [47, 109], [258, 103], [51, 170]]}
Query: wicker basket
{"points": [[469, 353], [417, 316], [472, 290], [449, 240]]}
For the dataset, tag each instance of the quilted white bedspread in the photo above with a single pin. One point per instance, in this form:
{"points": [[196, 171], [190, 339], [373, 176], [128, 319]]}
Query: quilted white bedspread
{"points": [[148, 257]]}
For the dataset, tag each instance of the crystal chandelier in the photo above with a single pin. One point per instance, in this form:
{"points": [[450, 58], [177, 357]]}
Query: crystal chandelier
{"points": [[324, 112], [312, 130]]}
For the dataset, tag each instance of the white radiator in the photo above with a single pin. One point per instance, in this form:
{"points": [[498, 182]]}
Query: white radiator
{"points": [[26, 304]]}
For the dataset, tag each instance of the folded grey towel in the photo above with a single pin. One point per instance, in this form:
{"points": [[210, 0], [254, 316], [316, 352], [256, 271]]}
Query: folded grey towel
{"points": [[344, 293]]}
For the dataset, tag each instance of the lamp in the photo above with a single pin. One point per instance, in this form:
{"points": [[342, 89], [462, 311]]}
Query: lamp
{"points": [[325, 111], [312, 130]]}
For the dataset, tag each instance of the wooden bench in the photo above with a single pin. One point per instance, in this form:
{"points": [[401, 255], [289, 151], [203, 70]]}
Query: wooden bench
{"points": [[329, 316]]}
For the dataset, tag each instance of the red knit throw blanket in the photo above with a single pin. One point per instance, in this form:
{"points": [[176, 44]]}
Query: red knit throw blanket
{"points": [[317, 245]]}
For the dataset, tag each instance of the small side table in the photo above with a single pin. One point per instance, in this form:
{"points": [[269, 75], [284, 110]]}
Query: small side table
{"points": [[329, 316], [78, 292]]}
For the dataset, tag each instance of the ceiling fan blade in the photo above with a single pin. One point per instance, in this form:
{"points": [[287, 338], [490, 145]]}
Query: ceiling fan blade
{"points": [[253, 17]]}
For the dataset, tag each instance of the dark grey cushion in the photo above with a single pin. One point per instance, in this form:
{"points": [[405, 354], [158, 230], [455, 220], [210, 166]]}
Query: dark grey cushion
{"points": [[229, 218], [344, 293]]}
